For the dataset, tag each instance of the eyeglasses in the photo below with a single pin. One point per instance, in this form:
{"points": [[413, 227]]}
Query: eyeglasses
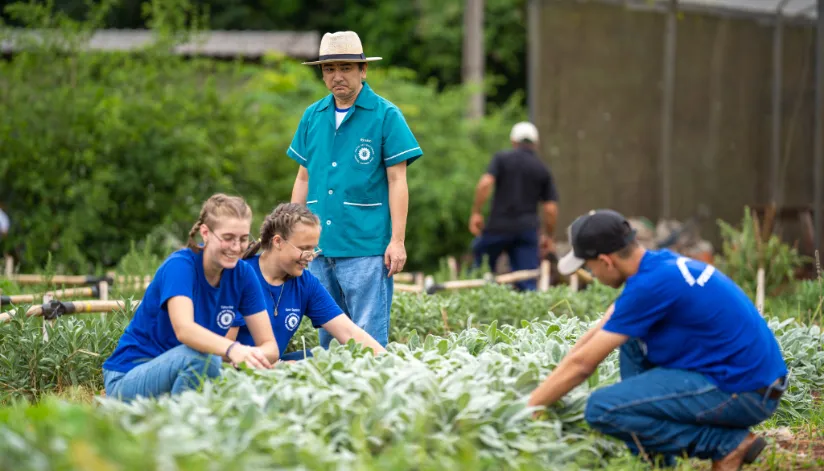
{"points": [[229, 240], [306, 254]]}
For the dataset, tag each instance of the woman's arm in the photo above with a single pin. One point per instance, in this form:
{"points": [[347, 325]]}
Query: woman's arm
{"points": [[188, 332], [261, 329], [343, 329]]}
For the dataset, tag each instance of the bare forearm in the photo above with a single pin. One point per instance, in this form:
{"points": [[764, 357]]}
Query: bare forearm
{"points": [[481, 195], [366, 340], [568, 375], [299, 191], [270, 349], [550, 216], [398, 207], [203, 340], [591, 332]]}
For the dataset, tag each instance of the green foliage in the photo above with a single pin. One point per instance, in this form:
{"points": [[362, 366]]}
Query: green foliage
{"points": [[103, 149], [456, 401], [422, 35], [73, 355], [742, 252]]}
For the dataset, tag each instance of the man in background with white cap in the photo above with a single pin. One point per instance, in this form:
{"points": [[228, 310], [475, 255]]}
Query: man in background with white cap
{"points": [[699, 365], [521, 182], [353, 147]]}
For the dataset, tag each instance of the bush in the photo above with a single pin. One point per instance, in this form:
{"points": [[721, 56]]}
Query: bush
{"points": [[103, 149], [743, 251]]}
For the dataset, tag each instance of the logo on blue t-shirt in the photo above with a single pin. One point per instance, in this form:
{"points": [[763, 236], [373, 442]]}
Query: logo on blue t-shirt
{"points": [[292, 320], [226, 316]]}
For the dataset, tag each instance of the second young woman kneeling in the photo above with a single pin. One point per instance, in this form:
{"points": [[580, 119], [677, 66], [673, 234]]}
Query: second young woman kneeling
{"points": [[289, 237]]}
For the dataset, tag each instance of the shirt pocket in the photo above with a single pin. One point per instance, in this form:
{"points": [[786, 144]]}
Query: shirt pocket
{"points": [[364, 217]]}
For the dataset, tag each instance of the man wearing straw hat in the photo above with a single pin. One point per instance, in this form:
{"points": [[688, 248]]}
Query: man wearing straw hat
{"points": [[353, 147]]}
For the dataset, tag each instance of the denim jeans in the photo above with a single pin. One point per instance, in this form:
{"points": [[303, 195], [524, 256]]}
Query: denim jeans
{"points": [[673, 412], [296, 355], [521, 247], [174, 371], [361, 288]]}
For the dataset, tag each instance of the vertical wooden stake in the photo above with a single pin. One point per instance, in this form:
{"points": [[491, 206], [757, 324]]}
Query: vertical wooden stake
{"points": [[573, 282], [453, 267], [46, 299], [759, 291], [9, 266], [419, 281], [543, 282]]}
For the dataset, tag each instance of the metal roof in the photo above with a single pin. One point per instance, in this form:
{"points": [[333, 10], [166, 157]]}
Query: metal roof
{"points": [[789, 8], [793, 10], [213, 43]]}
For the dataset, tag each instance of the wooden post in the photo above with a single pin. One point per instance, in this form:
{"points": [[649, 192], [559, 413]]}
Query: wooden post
{"points": [[453, 267], [543, 282], [419, 281], [759, 291], [103, 288], [46, 299], [9, 266], [573, 282]]}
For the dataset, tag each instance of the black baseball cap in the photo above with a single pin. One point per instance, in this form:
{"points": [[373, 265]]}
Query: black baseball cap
{"points": [[600, 231]]}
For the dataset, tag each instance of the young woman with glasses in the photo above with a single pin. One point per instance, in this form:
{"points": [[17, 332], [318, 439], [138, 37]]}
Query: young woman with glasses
{"points": [[289, 238], [178, 333]]}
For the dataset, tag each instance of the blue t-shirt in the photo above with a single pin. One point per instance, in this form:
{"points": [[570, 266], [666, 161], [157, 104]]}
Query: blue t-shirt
{"points": [[693, 317], [150, 331], [302, 295]]}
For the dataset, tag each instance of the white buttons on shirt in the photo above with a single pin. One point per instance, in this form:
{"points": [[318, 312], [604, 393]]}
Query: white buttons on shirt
{"points": [[328, 222], [334, 164], [330, 192]]}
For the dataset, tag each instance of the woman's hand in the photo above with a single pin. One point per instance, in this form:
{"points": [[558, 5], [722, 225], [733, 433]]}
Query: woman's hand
{"points": [[252, 356]]}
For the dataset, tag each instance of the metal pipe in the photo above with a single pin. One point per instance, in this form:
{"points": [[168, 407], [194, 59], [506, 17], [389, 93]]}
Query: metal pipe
{"points": [[777, 86], [818, 165], [533, 46], [665, 162]]}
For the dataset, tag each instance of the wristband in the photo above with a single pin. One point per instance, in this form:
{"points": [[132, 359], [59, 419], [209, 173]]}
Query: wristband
{"points": [[229, 349]]}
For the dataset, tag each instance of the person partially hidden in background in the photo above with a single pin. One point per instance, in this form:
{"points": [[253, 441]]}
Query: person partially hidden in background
{"points": [[522, 183]]}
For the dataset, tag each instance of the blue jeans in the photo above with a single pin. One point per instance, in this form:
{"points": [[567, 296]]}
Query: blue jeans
{"points": [[673, 412], [521, 247], [298, 355], [174, 371], [361, 288]]}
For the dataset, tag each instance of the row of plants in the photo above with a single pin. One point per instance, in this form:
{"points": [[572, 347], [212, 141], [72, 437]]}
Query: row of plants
{"points": [[440, 402]]}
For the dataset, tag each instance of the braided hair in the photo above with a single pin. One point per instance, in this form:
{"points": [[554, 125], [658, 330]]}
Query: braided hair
{"points": [[281, 221], [217, 207]]}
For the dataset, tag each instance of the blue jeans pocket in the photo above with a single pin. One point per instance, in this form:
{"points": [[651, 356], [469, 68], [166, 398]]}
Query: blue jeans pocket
{"points": [[739, 410]]}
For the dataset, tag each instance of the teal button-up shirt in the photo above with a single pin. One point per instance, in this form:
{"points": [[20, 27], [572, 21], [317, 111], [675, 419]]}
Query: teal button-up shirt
{"points": [[348, 188]]}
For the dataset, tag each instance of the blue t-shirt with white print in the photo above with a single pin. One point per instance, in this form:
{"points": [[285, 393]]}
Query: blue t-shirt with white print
{"points": [[693, 317], [150, 332], [299, 296]]}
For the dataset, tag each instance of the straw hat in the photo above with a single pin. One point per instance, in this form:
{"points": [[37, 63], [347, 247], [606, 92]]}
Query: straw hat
{"points": [[342, 46]]}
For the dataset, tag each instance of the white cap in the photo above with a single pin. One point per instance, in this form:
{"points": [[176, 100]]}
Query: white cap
{"points": [[524, 131], [4, 222]]}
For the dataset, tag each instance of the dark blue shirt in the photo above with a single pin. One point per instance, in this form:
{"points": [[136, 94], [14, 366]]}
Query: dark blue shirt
{"points": [[299, 296], [150, 331], [693, 317]]}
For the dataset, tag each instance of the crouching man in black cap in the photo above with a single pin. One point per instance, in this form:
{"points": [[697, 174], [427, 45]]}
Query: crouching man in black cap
{"points": [[699, 365]]}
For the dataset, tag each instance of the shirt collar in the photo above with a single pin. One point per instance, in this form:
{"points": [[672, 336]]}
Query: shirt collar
{"points": [[366, 99]]}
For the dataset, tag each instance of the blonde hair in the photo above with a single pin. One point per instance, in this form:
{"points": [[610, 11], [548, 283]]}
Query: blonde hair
{"points": [[219, 206], [281, 221]]}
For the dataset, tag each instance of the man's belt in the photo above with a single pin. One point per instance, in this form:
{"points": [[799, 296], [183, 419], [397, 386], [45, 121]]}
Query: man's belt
{"points": [[776, 389]]}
